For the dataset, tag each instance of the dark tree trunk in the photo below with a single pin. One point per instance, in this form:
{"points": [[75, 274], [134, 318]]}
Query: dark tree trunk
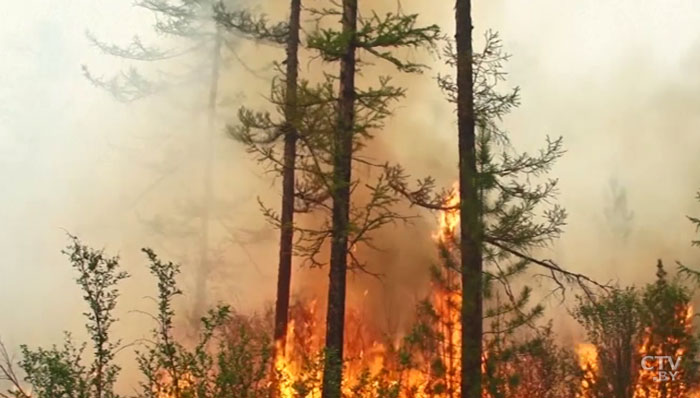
{"points": [[342, 164], [470, 210], [284, 275]]}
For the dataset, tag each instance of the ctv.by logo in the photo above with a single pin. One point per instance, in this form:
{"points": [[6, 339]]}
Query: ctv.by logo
{"points": [[658, 362]]}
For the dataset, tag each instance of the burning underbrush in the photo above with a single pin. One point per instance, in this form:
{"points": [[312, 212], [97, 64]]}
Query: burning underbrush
{"points": [[522, 357], [425, 361], [234, 355], [643, 344]]}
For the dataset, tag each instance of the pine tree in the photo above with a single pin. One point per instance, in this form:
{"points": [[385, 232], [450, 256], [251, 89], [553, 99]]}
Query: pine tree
{"points": [[249, 133], [197, 36], [358, 112], [520, 358], [509, 208], [342, 163], [288, 186], [471, 263], [618, 215], [333, 125]]}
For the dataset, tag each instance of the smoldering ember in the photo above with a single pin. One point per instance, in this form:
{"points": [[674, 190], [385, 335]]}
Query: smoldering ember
{"points": [[345, 198]]}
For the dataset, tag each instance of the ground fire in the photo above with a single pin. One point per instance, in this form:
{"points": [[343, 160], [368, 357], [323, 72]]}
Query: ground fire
{"points": [[425, 362], [646, 382], [372, 360], [367, 353], [431, 374]]}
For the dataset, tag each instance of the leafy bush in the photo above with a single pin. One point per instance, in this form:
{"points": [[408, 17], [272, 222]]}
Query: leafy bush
{"points": [[230, 358]]}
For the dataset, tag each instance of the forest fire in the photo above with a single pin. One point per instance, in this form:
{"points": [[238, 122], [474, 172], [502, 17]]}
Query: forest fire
{"points": [[285, 168], [653, 378], [299, 369], [650, 384], [373, 361], [588, 361], [448, 219], [367, 353], [435, 364], [165, 388]]}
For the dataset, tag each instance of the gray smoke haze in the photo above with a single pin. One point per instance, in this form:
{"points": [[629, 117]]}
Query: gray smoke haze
{"points": [[620, 80]]}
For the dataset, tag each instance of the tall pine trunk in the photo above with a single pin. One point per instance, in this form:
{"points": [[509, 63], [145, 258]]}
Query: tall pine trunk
{"points": [[342, 164], [284, 274], [200, 295], [470, 220]]}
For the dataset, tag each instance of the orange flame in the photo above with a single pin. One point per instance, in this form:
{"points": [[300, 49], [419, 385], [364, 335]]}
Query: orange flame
{"points": [[449, 219], [165, 388], [364, 348], [588, 361], [647, 385]]}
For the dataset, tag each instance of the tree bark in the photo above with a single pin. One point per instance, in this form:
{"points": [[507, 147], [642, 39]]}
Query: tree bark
{"points": [[470, 210], [284, 274], [342, 164]]}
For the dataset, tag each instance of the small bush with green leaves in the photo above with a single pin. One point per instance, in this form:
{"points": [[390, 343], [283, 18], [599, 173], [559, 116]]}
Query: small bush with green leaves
{"points": [[229, 358]]}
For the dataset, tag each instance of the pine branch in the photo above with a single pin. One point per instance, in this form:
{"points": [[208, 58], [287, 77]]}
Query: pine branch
{"points": [[555, 270], [136, 50], [250, 26]]}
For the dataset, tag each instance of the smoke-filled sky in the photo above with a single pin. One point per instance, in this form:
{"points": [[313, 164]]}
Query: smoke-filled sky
{"points": [[619, 80]]}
